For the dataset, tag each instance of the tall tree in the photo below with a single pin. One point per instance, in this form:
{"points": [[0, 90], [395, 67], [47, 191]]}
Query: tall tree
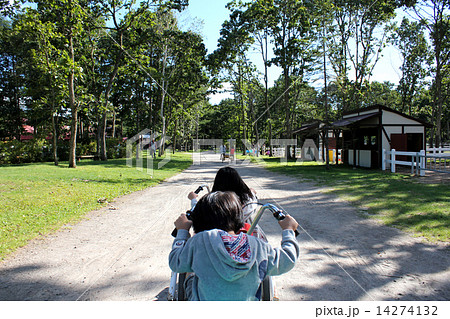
{"points": [[67, 17], [231, 56], [114, 10], [10, 84], [42, 47], [258, 14], [410, 40], [354, 44], [435, 16], [295, 48]]}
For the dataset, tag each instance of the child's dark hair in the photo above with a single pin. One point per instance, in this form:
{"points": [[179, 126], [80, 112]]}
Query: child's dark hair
{"points": [[217, 210], [228, 179]]}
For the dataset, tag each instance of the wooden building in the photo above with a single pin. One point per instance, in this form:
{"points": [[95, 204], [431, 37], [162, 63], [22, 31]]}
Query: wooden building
{"points": [[366, 132]]}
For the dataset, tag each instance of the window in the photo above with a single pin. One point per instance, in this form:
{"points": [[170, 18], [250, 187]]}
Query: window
{"points": [[366, 140]]}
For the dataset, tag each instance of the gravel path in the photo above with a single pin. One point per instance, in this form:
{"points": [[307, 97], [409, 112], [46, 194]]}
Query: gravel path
{"points": [[120, 252]]}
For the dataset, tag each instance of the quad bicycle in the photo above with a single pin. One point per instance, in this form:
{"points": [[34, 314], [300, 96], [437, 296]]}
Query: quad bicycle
{"points": [[176, 288], [225, 156]]}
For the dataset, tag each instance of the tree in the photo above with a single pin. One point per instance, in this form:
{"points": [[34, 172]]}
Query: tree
{"points": [[258, 15], [435, 16], [114, 9], [295, 49], [382, 93], [231, 56], [41, 49], [410, 39], [354, 44], [68, 17], [7, 7], [10, 84]]}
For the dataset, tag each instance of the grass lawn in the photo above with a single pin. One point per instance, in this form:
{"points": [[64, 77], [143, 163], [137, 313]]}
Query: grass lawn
{"points": [[39, 198], [396, 200]]}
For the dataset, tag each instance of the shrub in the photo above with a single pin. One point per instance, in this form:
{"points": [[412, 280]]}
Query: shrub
{"points": [[116, 148], [87, 149], [17, 152]]}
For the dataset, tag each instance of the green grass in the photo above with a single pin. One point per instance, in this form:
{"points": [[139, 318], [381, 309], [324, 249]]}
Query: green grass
{"points": [[37, 199], [396, 200]]}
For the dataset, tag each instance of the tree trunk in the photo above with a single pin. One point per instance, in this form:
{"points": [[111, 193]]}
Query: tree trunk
{"points": [[73, 107], [103, 150], [114, 125], [438, 103], [287, 110], [175, 137], [327, 155], [55, 140]]}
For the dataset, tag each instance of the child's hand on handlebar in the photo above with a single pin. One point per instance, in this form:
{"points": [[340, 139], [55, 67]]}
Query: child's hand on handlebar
{"points": [[192, 195], [183, 222], [288, 223]]}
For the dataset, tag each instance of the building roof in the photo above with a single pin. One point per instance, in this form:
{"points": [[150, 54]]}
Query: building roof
{"points": [[353, 119], [308, 127], [380, 108]]}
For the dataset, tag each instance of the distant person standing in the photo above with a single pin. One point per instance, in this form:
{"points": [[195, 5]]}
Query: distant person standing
{"points": [[223, 151], [153, 148]]}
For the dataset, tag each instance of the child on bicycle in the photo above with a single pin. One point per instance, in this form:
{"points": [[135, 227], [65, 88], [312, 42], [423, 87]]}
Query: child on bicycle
{"points": [[228, 179], [227, 265]]}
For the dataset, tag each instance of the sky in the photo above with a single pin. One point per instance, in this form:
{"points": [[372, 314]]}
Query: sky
{"points": [[207, 16]]}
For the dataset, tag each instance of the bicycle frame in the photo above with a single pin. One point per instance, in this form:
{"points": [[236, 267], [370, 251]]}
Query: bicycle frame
{"points": [[274, 209]]}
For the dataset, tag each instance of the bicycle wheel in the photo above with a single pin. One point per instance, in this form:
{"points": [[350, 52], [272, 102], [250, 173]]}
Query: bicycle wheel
{"points": [[180, 293], [267, 289]]}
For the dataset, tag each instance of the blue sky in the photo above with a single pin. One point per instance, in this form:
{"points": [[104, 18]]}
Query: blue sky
{"points": [[207, 16], [213, 13]]}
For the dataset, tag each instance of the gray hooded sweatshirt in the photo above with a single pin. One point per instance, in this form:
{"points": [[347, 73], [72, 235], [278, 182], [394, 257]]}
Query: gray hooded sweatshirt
{"points": [[220, 277]]}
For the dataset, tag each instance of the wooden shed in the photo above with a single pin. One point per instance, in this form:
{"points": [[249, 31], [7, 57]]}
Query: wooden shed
{"points": [[366, 132], [315, 131]]}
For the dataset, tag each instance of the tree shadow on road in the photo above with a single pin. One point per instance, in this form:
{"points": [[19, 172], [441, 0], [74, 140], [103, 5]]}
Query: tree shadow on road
{"points": [[345, 256], [19, 284]]}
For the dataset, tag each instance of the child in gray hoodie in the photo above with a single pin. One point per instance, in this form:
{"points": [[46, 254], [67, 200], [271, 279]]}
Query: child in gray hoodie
{"points": [[227, 265]]}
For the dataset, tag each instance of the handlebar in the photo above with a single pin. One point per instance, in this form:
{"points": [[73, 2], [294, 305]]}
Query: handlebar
{"points": [[277, 213], [188, 213], [175, 230], [200, 188]]}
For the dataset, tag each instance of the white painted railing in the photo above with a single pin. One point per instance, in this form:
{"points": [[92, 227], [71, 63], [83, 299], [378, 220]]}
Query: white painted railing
{"points": [[438, 151], [418, 160], [438, 161]]}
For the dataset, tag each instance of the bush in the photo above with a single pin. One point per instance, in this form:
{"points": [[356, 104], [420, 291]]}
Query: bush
{"points": [[116, 148], [39, 150], [86, 149], [17, 152]]}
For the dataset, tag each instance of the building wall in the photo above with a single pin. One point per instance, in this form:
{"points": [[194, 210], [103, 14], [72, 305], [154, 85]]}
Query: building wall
{"points": [[390, 118], [363, 158], [394, 118]]}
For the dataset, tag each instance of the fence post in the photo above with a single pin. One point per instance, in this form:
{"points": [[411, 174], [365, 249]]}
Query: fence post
{"points": [[423, 162], [383, 160], [393, 160]]}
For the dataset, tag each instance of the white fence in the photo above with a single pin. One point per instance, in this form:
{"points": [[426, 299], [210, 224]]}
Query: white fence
{"points": [[438, 151], [434, 159], [438, 159]]}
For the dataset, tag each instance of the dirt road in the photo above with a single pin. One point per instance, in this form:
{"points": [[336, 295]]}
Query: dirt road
{"points": [[120, 252]]}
